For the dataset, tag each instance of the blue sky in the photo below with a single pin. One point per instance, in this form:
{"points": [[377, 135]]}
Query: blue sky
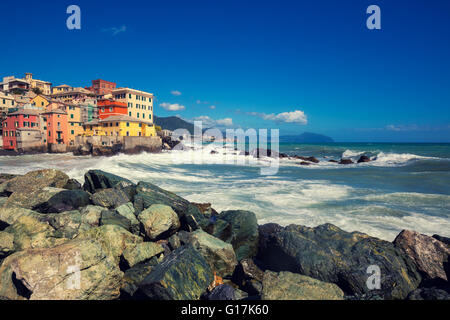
{"points": [[260, 64]]}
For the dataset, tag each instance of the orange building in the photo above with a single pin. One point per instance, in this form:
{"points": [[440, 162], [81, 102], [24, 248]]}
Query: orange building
{"points": [[55, 122], [107, 108]]}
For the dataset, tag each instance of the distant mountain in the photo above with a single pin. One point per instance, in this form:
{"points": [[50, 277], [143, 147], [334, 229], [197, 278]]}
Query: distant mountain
{"points": [[173, 123], [306, 137]]}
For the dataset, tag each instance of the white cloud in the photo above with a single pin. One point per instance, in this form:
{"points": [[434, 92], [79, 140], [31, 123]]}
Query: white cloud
{"points": [[114, 30], [212, 107], [172, 106], [175, 92], [209, 122], [296, 116]]}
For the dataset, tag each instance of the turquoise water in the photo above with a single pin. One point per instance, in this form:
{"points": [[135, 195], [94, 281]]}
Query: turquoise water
{"points": [[406, 186]]}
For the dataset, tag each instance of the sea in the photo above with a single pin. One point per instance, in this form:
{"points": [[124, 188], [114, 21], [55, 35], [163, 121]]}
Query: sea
{"points": [[405, 186]]}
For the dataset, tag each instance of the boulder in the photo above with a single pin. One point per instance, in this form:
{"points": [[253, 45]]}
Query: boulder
{"points": [[159, 220], [219, 254], [346, 161], [90, 217], [332, 255], [73, 184], [247, 271], [64, 200], [148, 194], [113, 239], [182, 275], [174, 242], [127, 210], [304, 163], [244, 232], [10, 212], [141, 252], [111, 217], [97, 179], [333, 161], [6, 243], [134, 276], [33, 199], [29, 232], [110, 198], [430, 255], [35, 180], [67, 224], [205, 208], [429, 294], [75, 270], [309, 159], [442, 239], [221, 292], [6, 176], [291, 286], [363, 159]]}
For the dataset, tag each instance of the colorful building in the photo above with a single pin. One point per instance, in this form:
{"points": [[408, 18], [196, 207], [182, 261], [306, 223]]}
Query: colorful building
{"points": [[121, 125], [55, 122], [24, 119], [61, 88], [101, 87], [139, 103], [73, 94], [40, 101], [43, 86], [107, 108], [7, 101]]}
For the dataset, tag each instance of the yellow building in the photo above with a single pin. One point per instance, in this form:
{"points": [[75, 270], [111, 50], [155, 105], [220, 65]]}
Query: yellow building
{"points": [[61, 88], [6, 101], [139, 103], [40, 101], [44, 86], [123, 125]]}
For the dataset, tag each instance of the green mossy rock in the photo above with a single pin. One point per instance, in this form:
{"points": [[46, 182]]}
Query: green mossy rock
{"points": [[127, 210], [113, 218], [97, 179], [110, 198], [291, 286], [134, 276], [33, 199], [159, 220], [332, 255], [244, 232], [141, 252], [219, 254], [148, 194], [6, 243], [182, 275], [75, 270], [35, 180]]}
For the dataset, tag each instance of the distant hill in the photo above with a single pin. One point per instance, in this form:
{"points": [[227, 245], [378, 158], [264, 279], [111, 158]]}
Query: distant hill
{"points": [[306, 137], [173, 123]]}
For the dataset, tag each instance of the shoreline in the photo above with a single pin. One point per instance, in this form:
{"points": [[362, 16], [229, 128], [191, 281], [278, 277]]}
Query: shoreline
{"points": [[148, 236]]}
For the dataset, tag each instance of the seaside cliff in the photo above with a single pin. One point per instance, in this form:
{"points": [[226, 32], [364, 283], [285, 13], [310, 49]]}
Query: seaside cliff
{"points": [[112, 239]]}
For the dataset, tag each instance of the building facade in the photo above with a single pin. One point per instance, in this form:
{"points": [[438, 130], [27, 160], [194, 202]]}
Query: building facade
{"points": [[55, 122], [139, 103], [26, 120], [101, 87], [122, 125], [109, 107]]}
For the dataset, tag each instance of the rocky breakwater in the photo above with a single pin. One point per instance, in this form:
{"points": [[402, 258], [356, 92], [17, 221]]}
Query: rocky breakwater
{"points": [[113, 239]]}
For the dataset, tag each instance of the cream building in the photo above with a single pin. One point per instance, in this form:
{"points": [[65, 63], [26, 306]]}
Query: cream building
{"points": [[6, 101], [140, 103]]}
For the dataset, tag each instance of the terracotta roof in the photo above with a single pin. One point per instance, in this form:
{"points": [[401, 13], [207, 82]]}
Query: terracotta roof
{"points": [[59, 111], [30, 112]]}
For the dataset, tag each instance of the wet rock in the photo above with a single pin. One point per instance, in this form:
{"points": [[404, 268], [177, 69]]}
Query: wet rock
{"points": [[97, 179], [127, 210], [291, 286], [174, 242], [6, 176], [429, 294], [134, 276], [343, 257], [110, 198], [35, 180], [310, 159], [213, 152], [244, 232], [67, 224], [148, 194], [429, 254], [303, 163], [363, 159], [205, 209], [333, 161], [221, 292], [111, 217], [182, 275], [78, 269], [219, 254], [33, 199], [90, 215], [346, 161], [65, 200], [159, 220], [260, 152], [141, 252], [246, 271], [442, 239], [73, 184]]}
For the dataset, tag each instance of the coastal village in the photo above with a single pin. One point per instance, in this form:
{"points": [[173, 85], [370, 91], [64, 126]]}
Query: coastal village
{"points": [[36, 116]]}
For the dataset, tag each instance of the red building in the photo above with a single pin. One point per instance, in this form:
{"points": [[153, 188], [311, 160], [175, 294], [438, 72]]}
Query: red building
{"points": [[25, 119], [102, 87], [107, 108], [56, 126]]}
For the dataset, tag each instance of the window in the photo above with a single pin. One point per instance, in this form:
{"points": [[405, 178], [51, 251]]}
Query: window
{"points": [[72, 132], [117, 124], [138, 115], [129, 113], [128, 124], [128, 133], [71, 116]]}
